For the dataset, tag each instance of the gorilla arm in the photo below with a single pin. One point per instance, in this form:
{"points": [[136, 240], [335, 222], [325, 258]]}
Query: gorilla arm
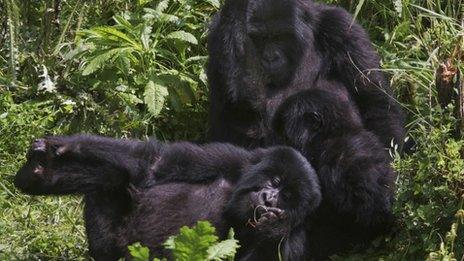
{"points": [[353, 59]]}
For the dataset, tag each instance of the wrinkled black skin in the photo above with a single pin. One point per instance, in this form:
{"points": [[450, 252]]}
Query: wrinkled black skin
{"points": [[357, 181], [145, 191], [263, 51]]}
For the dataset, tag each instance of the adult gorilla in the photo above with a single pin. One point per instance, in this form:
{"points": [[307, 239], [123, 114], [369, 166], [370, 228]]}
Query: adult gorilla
{"points": [[262, 51]]}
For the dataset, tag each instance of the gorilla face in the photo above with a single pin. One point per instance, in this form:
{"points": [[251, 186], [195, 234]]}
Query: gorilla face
{"points": [[274, 47], [273, 198], [268, 201]]}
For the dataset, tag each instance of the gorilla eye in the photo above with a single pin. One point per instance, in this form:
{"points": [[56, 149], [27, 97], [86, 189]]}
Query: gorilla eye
{"points": [[276, 181], [313, 120]]}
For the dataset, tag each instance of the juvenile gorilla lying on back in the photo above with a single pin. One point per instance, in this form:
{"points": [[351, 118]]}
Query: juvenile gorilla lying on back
{"points": [[356, 179], [145, 191]]}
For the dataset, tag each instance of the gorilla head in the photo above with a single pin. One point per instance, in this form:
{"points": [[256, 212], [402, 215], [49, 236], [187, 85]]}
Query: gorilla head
{"points": [[266, 40], [315, 115], [274, 43], [274, 196]]}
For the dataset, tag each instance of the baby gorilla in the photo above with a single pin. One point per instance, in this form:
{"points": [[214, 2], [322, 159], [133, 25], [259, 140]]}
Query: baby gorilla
{"points": [[145, 191], [356, 179]]}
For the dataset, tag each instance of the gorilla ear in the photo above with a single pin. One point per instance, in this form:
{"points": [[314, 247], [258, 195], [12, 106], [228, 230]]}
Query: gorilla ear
{"points": [[312, 120]]}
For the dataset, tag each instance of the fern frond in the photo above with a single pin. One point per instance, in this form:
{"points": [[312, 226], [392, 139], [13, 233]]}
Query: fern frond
{"points": [[99, 60], [183, 36], [109, 34]]}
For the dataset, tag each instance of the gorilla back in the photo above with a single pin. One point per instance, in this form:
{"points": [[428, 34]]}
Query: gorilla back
{"points": [[145, 191], [262, 51]]}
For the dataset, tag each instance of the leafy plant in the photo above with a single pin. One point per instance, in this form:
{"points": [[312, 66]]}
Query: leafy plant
{"points": [[149, 51], [139, 252], [193, 244]]}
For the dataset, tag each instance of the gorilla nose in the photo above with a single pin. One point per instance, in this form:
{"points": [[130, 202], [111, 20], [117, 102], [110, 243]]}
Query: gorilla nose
{"points": [[271, 57], [269, 198]]}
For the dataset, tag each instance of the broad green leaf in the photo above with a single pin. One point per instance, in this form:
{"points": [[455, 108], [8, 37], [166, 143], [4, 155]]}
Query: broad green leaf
{"points": [[193, 243], [139, 252], [115, 35], [183, 36], [154, 97], [222, 250], [100, 60]]}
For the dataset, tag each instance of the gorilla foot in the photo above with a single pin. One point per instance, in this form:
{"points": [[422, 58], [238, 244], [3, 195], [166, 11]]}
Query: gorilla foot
{"points": [[44, 159], [46, 149], [39, 145]]}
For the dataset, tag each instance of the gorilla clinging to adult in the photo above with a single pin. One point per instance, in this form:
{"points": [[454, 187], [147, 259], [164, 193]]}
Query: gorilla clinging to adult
{"points": [[356, 179], [145, 191], [262, 51]]}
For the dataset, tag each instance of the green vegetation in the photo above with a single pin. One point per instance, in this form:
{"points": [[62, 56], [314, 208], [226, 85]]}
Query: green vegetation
{"points": [[136, 69], [197, 243]]}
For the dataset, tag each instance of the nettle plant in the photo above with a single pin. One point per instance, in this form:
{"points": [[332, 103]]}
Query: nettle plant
{"points": [[197, 243], [149, 57]]}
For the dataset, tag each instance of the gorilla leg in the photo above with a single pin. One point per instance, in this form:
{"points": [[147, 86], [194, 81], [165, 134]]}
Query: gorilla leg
{"points": [[101, 168], [82, 164]]}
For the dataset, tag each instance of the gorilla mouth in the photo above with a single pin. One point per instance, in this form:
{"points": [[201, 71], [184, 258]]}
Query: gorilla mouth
{"points": [[265, 215]]}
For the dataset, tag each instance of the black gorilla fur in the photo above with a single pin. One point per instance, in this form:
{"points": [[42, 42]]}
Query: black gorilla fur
{"points": [[262, 51], [145, 191], [356, 179]]}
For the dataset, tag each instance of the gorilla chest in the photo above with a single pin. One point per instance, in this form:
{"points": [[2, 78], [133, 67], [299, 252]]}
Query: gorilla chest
{"points": [[164, 209]]}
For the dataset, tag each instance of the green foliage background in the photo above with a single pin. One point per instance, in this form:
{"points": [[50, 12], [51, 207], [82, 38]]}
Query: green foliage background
{"points": [[136, 69]]}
